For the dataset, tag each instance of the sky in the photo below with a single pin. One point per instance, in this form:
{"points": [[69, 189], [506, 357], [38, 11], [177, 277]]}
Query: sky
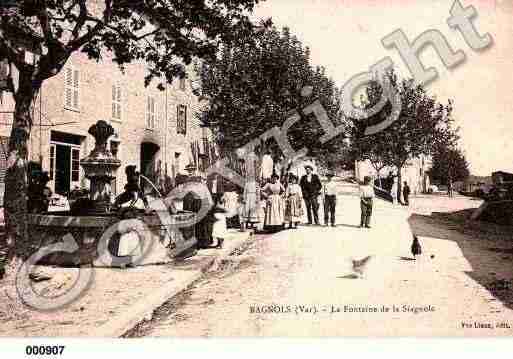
{"points": [[345, 37]]}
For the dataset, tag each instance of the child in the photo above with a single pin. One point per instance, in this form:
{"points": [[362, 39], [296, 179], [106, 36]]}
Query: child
{"points": [[133, 191], [330, 200], [294, 207], [219, 229], [366, 197], [240, 212]]}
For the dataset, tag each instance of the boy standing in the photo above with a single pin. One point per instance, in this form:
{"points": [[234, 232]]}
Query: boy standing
{"points": [[330, 200], [366, 198]]}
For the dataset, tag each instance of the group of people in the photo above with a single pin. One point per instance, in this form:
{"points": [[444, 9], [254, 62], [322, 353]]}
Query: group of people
{"points": [[281, 204], [278, 203], [405, 193]]}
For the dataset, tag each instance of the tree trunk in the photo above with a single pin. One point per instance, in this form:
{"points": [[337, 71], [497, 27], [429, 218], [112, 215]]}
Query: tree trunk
{"points": [[15, 197], [399, 183]]}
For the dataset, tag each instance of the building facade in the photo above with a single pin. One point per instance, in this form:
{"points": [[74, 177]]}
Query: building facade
{"points": [[414, 173], [154, 130]]}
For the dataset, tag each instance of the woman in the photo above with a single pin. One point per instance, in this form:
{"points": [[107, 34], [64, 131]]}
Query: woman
{"points": [[250, 202], [275, 207], [366, 198], [294, 206], [231, 204], [393, 191], [219, 228], [251, 193]]}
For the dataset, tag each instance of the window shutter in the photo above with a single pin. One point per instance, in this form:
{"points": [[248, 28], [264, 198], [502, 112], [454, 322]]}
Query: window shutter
{"points": [[116, 102], [75, 88], [68, 84], [148, 112], [153, 112]]}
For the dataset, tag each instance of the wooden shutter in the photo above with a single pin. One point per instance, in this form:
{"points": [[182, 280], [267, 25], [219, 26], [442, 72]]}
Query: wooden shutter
{"points": [[68, 84], [76, 75], [150, 112], [116, 102]]}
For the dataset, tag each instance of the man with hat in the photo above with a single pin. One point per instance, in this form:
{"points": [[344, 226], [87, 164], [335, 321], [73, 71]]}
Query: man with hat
{"points": [[311, 188], [330, 199]]}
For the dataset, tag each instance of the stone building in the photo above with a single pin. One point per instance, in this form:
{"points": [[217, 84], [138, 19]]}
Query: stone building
{"points": [[414, 172], [154, 129]]}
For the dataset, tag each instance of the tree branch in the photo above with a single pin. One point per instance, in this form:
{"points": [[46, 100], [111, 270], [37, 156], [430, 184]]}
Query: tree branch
{"points": [[8, 50], [77, 43], [82, 16]]}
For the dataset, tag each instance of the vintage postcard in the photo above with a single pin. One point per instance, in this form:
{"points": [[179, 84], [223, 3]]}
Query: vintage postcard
{"points": [[246, 168]]}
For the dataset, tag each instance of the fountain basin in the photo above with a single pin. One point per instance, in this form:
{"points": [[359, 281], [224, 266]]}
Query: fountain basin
{"points": [[165, 241]]}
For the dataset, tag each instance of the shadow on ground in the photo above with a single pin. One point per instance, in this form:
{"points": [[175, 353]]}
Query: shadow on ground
{"points": [[487, 247]]}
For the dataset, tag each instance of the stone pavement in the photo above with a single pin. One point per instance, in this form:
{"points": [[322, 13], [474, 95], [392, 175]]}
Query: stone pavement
{"points": [[117, 300]]}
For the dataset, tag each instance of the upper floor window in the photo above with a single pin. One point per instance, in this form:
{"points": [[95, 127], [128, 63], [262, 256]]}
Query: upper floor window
{"points": [[182, 83], [116, 102], [71, 88], [150, 112], [181, 120]]}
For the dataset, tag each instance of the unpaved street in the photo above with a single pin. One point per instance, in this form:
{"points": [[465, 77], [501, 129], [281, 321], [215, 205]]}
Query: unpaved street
{"points": [[299, 282]]}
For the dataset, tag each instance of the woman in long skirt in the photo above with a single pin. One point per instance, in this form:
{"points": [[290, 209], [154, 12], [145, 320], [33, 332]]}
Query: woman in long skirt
{"points": [[219, 228], [294, 205], [275, 209], [250, 198]]}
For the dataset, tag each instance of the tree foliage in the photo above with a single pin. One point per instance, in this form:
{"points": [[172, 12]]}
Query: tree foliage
{"points": [[253, 87], [163, 34], [449, 165], [422, 126]]}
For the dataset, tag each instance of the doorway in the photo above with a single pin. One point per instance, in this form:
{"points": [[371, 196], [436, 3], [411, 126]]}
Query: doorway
{"points": [[64, 162], [148, 152]]}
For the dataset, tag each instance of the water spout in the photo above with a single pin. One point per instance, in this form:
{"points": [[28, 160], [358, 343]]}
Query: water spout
{"points": [[152, 185]]}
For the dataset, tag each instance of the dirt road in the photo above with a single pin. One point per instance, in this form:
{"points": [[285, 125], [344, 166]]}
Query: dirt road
{"points": [[300, 282]]}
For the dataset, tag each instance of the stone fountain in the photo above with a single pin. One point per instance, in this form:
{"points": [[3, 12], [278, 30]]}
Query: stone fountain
{"points": [[168, 231], [99, 168]]}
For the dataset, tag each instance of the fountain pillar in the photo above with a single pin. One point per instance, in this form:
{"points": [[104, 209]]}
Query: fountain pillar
{"points": [[99, 168]]}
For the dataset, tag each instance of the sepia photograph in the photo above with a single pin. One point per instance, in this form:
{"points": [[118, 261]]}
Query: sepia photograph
{"points": [[254, 169]]}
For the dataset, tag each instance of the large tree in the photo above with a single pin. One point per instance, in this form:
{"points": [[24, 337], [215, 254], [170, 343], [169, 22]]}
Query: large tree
{"points": [[252, 87], [449, 165], [165, 34], [423, 124]]}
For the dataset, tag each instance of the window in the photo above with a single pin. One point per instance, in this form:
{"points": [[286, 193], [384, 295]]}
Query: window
{"points": [[52, 161], [71, 89], [181, 120], [150, 112], [116, 102], [75, 164], [182, 83]]}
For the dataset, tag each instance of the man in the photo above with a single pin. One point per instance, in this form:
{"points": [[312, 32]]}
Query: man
{"points": [[366, 199], [406, 193], [311, 188], [330, 199]]}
